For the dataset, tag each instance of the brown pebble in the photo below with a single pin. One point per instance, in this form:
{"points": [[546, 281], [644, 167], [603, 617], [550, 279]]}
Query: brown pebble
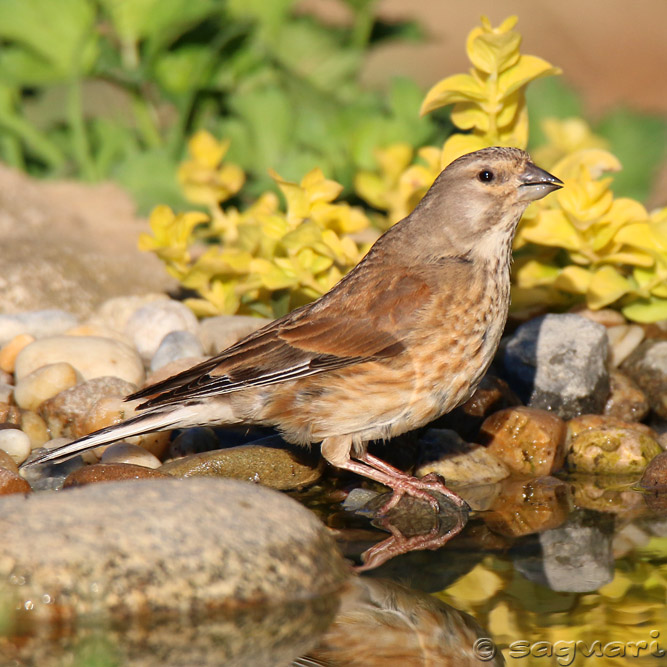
{"points": [[655, 475], [10, 414], [110, 472], [6, 461], [529, 441], [12, 482], [626, 400]]}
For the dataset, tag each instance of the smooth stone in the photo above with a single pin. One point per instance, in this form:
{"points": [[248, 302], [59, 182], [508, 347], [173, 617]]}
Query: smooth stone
{"points": [[37, 323], [526, 506], [35, 428], [577, 556], [647, 366], [66, 413], [193, 441], [157, 546], [444, 452], [608, 494], [51, 476], [92, 357], [117, 311], [124, 452], [655, 475], [15, 443], [98, 331], [559, 363], [10, 350], [44, 383], [605, 316], [623, 340], [10, 414], [110, 472], [528, 441], [149, 324], [611, 451], [626, 400], [270, 462], [6, 461], [11, 482], [173, 368], [6, 392], [176, 345], [219, 332]]}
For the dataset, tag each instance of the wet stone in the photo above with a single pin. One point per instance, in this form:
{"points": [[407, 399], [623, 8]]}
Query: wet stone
{"points": [[528, 440], [6, 461], [11, 482], [110, 472], [626, 400], [444, 452], [647, 366], [655, 475], [270, 462], [611, 450], [122, 549], [611, 494], [528, 506], [559, 363], [51, 476]]}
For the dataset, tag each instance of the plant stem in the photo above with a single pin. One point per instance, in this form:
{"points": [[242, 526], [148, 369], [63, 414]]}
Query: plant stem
{"points": [[77, 122], [143, 114]]}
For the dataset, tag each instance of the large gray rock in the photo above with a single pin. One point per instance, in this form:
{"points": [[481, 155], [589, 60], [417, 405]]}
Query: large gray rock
{"points": [[122, 549], [71, 246], [559, 363]]}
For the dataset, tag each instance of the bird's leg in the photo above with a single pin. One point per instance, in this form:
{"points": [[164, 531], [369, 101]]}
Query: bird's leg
{"points": [[337, 452]]}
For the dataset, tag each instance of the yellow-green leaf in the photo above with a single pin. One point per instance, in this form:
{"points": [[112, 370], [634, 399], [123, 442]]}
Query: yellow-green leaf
{"points": [[646, 310], [457, 88], [574, 279], [606, 286]]}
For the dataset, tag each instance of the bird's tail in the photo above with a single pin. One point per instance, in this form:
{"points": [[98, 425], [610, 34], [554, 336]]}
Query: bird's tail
{"points": [[145, 422]]}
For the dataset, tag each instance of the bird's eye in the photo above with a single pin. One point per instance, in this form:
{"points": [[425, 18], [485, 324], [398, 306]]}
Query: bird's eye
{"points": [[486, 176]]}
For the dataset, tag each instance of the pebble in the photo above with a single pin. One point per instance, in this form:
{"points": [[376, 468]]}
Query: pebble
{"points": [[609, 494], [176, 345], [11, 482], [6, 392], [270, 462], [173, 368], [559, 363], [219, 332], [10, 414], [623, 340], [655, 475], [149, 324], [116, 312], [10, 350], [37, 323], [626, 400], [15, 443], [611, 450], [193, 441], [460, 463], [124, 452], [529, 441], [605, 316], [6, 461], [50, 476], [647, 366], [126, 549], [35, 428], [67, 414], [529, 506], [110, 472], [44, 383], [98, 331], [92, 357]]}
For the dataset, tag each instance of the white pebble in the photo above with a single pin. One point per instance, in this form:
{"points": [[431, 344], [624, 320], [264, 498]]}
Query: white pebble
{"points": [[623, 339], [123, 452], [116, 312], [37, 323], [16, 443], [44, 383], [91, 356], [151, 323], [176, 345]]}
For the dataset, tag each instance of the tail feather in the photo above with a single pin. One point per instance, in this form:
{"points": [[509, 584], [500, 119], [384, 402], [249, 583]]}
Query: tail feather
{"points": [[143, 423]]}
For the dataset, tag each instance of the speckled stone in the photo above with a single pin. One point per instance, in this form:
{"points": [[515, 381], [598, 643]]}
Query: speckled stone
{"points": [[270, 462], [110, 472], [121, 549]]}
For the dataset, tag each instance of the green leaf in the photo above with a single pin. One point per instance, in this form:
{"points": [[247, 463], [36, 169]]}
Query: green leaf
{"points": [[646, 310]]}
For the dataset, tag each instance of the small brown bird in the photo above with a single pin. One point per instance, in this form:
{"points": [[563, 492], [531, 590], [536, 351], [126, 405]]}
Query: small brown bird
{"points": [[403, 338]]}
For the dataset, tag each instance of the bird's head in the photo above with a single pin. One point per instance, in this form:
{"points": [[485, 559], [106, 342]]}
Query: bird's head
{"points": [[480, 197]]}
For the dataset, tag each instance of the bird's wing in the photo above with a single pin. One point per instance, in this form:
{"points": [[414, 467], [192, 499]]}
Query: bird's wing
{"points": [[364, 318]]}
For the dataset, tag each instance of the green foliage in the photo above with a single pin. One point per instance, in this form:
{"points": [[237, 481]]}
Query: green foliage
{"points": [[100, 88]]}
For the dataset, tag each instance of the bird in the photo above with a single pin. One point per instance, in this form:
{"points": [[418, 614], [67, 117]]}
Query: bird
{"points": [[403, 338]]}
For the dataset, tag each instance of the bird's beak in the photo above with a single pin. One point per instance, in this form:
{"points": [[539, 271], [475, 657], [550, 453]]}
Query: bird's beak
{"points": [[537, 183]]}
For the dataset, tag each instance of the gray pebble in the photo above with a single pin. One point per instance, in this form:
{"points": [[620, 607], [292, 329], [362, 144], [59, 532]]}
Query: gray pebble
{"points": [[176, 345], [37, 323]]}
